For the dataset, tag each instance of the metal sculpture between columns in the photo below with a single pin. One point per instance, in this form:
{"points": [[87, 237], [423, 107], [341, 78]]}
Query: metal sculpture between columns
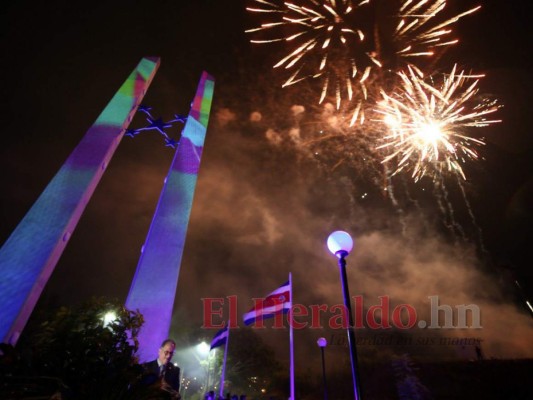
{"points": [[30, 254]]}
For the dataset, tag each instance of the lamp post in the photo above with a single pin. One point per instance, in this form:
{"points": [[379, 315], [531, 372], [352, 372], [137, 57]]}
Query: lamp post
{"points": [[322, 342], [340, 243], [204, 350]]}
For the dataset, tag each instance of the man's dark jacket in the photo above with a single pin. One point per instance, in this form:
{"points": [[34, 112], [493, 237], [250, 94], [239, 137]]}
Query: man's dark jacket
{"points": [[171, 375]]}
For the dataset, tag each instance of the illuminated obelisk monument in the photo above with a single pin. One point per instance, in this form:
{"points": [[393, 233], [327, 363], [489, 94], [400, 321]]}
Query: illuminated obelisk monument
{"points": [[30, 254], [154, 285]]}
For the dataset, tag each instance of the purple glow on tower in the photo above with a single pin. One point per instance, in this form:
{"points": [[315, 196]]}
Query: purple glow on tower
{"points": [[30, 254], [154, 286]]}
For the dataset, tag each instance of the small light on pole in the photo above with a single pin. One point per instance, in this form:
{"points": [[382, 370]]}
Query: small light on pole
{"points": [[109, 318], [204, 349], [340, 244], [322, 342]]}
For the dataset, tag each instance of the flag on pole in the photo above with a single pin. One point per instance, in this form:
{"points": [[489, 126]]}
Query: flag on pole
{"points": [[277, 302], [220, 338]]}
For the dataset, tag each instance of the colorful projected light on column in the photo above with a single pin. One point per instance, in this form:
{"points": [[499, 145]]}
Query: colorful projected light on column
{"points": [[29, 256], [154, 286]]}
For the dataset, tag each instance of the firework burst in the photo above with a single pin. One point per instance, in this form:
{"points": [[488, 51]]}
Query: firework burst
{"points": [[350, 45], [328, 41], [418, 32], [428, 122]]}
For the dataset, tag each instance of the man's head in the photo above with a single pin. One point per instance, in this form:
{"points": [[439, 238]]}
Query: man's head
{"points": [[166, 351]]}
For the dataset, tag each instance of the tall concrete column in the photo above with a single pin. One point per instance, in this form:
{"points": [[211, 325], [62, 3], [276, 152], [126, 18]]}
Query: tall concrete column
{"points": [[30, 254], [154, 286]]}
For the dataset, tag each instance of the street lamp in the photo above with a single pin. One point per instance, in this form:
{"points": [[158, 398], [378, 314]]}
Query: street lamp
{"points": [[204, 350], [322, 342], [109, 318], [340, 243]]}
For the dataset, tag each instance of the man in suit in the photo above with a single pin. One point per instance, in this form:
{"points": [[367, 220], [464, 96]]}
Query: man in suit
{"points": [[162, 371]]}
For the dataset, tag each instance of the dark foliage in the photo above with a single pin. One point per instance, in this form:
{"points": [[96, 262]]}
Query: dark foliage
{"points": [[252, 365], [74, 354], [407, 383]]}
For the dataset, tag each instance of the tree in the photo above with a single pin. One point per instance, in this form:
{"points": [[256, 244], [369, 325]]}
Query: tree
{"points": [[87, 357], [252, 367], [407, 383]]}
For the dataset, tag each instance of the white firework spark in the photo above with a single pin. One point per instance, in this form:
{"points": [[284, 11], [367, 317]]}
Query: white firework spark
{"points": [[342, 42], [326, 43], [428, 123]]}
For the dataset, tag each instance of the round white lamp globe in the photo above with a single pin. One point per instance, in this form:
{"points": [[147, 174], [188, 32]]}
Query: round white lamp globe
{"points": [[109, 318], [340, 241], [203, 348]]}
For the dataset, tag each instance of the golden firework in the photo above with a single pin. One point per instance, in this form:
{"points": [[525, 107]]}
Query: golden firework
{"points": [[428, 122]]}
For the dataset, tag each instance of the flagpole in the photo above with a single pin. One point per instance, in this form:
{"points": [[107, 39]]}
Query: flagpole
{"points": [[291, 340], [223, 374]]}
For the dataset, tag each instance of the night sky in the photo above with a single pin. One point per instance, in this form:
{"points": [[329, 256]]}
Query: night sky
{"points": [[263, 207]]}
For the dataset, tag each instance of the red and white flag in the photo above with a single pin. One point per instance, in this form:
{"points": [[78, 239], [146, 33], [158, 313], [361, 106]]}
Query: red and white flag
{"points": [[277, 302]]}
